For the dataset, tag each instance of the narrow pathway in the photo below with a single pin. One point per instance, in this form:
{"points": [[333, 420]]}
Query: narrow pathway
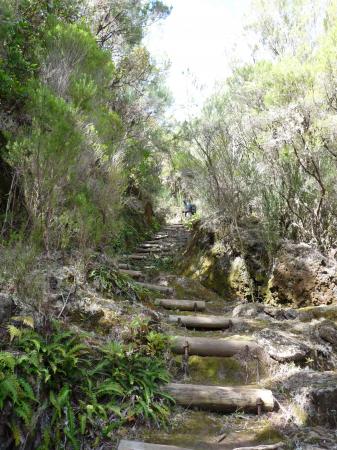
{"points": [[197, 326]]}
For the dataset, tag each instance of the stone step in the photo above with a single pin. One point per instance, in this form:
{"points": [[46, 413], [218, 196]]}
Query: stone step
{"points": [[221, 398], [132, 273], [156, 287], [201, 346], [137, 445], [204, 322], [182, 305]]}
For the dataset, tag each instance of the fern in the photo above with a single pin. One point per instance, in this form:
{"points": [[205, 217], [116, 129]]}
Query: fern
{"points": [[13, 332]]}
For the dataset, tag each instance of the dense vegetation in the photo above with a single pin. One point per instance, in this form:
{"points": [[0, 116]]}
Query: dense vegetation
{"points": [[265, 143], [85, 155], [80, 99], [59, 389]]}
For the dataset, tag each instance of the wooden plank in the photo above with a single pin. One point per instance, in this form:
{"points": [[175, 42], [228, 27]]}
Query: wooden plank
{"points": [[135, 256], [220, 398], [201, 346], [136, 445], [205, 322], [182, 305], [152, 250], [160, 236], [132, 273], [155, 287]]}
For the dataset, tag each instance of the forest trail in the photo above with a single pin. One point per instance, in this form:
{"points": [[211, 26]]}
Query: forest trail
{"points": [[201, 336]]}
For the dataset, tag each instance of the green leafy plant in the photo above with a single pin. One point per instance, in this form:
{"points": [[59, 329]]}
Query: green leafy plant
{"points": [[54, 376]]}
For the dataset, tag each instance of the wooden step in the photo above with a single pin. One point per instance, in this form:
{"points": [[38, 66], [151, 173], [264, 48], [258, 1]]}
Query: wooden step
{"points": [[182, 305], [156, 287], [132, 273], [277, 446], [152, 250], [155, 245], [136, 256], [123, 266], [201, 346], [160, 236], [136, 445], [220, 398], [205, 322]]}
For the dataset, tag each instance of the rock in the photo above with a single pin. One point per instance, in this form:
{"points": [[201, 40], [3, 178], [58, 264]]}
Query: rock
{"points": [[6, 306], [328, 332], [248, 310], [282, 346], [302, 276], [314, 396]]}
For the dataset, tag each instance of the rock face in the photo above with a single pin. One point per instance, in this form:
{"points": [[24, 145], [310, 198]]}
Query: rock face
{"points": [[315, 396], [6, 306], [282, 346], [302, 276]]}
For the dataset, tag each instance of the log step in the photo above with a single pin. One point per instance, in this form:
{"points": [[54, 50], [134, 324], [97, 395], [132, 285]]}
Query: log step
{"points": [[123, 266], [160, 236], [156, 287], [132, 273], [136, 256], [152, 250], [155, 245], [136, 445], [201, 346], [182, 305], [220, 398], [205, 322]]}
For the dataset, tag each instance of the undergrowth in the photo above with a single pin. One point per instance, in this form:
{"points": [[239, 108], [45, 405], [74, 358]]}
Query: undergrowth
{"points": [[59, 392], [111, 282]]}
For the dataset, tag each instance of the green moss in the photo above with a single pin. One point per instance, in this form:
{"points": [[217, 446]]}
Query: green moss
{"points": [[300, 414], [268, 435]]}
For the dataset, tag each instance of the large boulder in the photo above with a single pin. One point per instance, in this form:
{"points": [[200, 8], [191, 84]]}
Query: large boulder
{"points": [[313, 395], [282, 346], [303, 276]]}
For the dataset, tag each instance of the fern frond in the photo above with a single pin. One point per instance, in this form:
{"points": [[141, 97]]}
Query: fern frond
{"points": [[26, 320], [13, 332], [7, 361]]}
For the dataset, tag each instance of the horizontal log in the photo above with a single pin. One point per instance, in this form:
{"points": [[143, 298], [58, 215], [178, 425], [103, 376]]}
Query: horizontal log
{"points": [[160, 236], [136, 445], [277, 446], [156, 245], [206, 322], [123, 266], [182, 305], [132, 273], [152, 250], [201, 346], [155, 287], [220, 398], [135, 256]]}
